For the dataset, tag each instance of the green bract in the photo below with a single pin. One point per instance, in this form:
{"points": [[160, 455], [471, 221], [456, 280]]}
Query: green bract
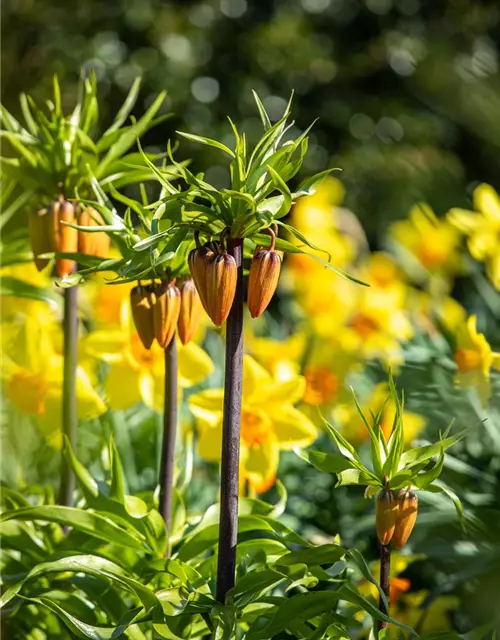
{"points": [[53, 148], [392, 467], [257, 198]]}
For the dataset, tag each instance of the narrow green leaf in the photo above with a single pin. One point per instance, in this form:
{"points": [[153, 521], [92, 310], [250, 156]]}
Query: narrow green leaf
{"points": [[93, 524], [126, 107], [266, 123], [207, 141]]}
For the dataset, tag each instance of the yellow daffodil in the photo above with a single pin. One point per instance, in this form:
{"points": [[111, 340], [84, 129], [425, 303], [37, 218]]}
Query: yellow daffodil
{"points": [[326, 370], [355, 429], [318, 218], [269, 423], [482, 228], [376, 329], [15, 304], [431, 314], [281, 357], [432, 242], [474, 359], [32, 375], [136, 373]]}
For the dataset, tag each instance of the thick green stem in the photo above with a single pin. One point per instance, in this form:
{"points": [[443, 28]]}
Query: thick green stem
{"points": [[167, 462], [229, 484], [385, 580], [69, 409]]}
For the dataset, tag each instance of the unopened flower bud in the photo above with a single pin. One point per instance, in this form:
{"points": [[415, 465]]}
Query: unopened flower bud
{"points": [[386, 514], [198, 266], [264, 275], [89, 242], [166, 312], [221, 287], [42, 237], [406, 516], [142, 301], [189, 317], [65, 237]]}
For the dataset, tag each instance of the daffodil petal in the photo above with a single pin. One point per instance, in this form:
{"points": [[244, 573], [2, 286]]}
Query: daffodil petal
{"points": [[262, 461], [194, 364], [293, 428], [207, 405], [493, 269], [289, 392], [106, 345], [210, 442], [487, 200], [254, 378], [465, 221], [122, 386]]}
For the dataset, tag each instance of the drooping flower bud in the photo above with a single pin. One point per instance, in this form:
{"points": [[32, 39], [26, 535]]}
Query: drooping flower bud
{"points": [[198, 260], [221, 287], [189, 317], [264, 275], [89, 242], [166, 312], [42, 238], [65, 237], [406, 516], [386, 513], [142, 301]]}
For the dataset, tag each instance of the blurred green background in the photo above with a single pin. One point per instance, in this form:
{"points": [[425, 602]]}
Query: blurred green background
{"points": [[407, 92]]}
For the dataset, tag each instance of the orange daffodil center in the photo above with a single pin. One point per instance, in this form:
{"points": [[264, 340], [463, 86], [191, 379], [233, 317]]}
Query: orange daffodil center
{"points": [[269, 423], [27, 391], [322, 385]]}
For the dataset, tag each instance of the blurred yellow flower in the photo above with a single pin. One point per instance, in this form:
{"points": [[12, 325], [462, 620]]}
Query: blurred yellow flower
{"points": [[431, 314], [13, 305], [434, 243], [379, 325], [281, 357], [269, 423], [32, 375], [356, 431], [136, 373], [317, 218], [482, 228], [327, 367], [434, 619], [474, 359]]}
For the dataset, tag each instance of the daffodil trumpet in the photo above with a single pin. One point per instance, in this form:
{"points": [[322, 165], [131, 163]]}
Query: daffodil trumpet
{"points": [[230, 455]]}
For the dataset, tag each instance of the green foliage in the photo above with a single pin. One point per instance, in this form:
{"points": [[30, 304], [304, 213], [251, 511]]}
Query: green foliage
{"points": [[392, 467], [99, 570], [53, 152]]}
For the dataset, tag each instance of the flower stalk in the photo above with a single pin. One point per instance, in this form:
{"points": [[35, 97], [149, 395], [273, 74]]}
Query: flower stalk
{"points": [[69, 409], [228, 525], [385, 581], [167, 462]]}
